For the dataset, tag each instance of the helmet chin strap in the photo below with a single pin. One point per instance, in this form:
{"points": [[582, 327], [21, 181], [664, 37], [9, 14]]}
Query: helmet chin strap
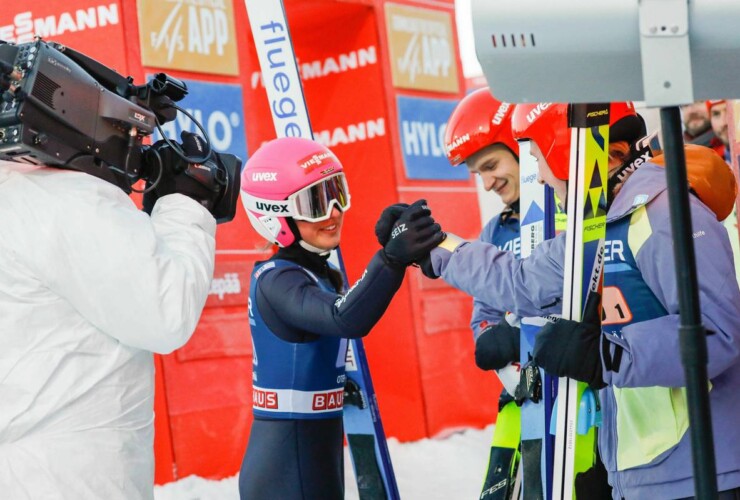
{"points": [[311, 248], [306, 246]]}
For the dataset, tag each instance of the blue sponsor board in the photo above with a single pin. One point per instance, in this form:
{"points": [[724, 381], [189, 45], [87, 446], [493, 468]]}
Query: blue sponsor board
{"points": [[422, 125], [218, 108]]}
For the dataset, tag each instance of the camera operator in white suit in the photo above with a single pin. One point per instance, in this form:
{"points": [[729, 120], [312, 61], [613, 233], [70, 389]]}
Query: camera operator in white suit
{"points": [[90, 287]]}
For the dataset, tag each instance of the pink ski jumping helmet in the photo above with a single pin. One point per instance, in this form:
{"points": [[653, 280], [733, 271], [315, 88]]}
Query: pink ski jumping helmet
{"points": [[291, 177]]}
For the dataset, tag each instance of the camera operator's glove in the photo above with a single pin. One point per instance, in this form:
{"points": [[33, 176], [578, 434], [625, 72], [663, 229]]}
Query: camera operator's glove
{"points": [[567, 348], [497, 346], [413, 236], [387, 219], [204, 183]]}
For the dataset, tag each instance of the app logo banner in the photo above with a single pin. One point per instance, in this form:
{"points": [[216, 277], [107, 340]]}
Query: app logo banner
{"points": [[219, 108], [422, 125], [422, 48], [189, 35]]}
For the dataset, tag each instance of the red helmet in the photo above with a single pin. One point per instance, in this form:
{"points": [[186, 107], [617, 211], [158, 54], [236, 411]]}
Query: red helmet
{"points": [[477, 121], [624, 123], [710, 178], [547, 124], [710, 104]]}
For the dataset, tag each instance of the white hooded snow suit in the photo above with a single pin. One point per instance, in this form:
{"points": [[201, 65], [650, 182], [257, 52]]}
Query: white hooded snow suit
{"points": [[90, 286]]}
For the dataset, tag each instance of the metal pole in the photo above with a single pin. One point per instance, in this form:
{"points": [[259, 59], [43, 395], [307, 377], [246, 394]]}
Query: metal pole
{"points": [[692, 335]]}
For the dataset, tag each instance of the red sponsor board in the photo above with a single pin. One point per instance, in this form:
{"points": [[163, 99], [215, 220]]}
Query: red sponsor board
{"points": [[92, 26]]}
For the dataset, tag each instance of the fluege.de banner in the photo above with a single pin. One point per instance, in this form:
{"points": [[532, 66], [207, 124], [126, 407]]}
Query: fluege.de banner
{"points": [[422, 125], [93, 27], [188, 35]]}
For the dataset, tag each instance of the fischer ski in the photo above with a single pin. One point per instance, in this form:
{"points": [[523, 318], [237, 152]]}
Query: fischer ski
{"points": [[362, 424], [577, 409], [504, 476]]}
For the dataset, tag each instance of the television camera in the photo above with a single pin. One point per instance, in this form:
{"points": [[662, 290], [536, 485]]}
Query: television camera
{"points": [[61, 108]]}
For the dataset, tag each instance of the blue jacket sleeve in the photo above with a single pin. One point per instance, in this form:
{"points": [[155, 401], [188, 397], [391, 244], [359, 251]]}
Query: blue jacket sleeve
{"points": [[652, 355], [296, 309], [526, 287]]}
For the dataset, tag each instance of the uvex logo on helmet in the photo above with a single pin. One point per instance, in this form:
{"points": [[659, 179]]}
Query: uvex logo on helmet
{"points": [[316, 160], [537, 111], [264, 176], [501, 113], [272, 208]]}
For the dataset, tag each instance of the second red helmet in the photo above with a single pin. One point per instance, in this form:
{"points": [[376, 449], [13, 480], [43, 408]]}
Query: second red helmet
{"points": [[547, 124]]}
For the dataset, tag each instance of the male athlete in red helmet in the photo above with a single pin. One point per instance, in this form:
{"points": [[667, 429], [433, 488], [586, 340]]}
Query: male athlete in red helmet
{"points": [[478, 134]]}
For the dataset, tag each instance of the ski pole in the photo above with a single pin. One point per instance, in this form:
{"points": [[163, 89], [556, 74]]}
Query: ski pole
{"points": [[692, 341]]}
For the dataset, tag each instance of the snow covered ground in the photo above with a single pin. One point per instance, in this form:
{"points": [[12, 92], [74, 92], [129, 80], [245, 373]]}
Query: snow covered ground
{"points": [[448, 468]]}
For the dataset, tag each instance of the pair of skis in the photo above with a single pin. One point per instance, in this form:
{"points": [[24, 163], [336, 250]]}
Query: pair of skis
{"points": [[362, 424], [536, 389], [564, 408]]}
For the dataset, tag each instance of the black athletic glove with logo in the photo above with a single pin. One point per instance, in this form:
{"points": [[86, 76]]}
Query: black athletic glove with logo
{"points": [[571, 349], [497, 346], [387, 219], [205, 183], [413, 236]]}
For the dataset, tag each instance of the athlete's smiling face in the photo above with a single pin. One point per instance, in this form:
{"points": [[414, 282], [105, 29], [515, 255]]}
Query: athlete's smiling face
{"points": [[498, 169], [325, 234]]}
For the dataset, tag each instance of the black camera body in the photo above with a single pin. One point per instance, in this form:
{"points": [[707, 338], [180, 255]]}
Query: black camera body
{"points": [[61, 108]]}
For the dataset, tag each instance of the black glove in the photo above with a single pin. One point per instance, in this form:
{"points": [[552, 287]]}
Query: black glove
{"points": [[414, 235], [568, 348], [387, 219], [497, 346], [205, 183], [594, 483], [427, 269]]}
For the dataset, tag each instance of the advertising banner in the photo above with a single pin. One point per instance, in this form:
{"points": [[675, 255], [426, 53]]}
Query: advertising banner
{"points": [[422, 125], [422, 48], [93, 27], [219, 108], [188, 35]]}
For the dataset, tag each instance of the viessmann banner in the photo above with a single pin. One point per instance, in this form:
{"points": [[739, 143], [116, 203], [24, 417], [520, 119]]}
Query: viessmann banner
{"points": [[188, 35], [92, 27]]}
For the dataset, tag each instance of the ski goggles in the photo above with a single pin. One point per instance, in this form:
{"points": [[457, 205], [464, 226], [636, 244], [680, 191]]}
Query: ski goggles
{"points": [[314, 203]]}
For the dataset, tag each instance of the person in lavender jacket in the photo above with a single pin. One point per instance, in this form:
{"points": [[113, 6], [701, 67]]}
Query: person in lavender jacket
{"points": [[634, 356]]}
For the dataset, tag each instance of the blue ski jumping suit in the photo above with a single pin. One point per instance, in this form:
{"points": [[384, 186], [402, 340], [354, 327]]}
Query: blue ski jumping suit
{"points": [[300, 323]]}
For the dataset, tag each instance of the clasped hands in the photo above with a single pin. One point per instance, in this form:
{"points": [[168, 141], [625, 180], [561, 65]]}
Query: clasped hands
{"points": [[408, 233]]}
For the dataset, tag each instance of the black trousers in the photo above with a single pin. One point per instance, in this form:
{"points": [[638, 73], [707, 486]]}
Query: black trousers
{"points": [[293, 460]]}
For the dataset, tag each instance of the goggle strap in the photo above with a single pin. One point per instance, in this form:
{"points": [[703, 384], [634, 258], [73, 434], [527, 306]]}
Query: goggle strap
{"points": [[278, 208]]}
